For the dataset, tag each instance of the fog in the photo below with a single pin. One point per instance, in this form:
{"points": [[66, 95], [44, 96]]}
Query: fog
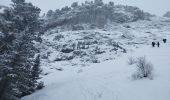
{"points": [[158, 7]]}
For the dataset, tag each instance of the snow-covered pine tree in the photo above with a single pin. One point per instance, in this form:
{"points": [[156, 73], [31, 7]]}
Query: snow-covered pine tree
{"points": [[17, 53], [6, 55], [36, 70], [74, 4]]}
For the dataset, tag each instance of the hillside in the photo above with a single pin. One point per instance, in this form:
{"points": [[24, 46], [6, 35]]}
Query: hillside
{"points": [[98, 70], [94, 13], [88, 51], [88, 46]]}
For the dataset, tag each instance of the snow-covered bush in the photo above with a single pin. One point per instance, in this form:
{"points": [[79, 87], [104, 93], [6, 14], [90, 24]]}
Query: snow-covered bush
{"points": [[127, 35], [79, 53], [67, 50], [64, 57], [77, 27], [58, 37], [131, 61], [167, 14], [127, 26], [94, 59], [97, 50], [93, 26], [144, 69], [40, 85], [44, 56]]}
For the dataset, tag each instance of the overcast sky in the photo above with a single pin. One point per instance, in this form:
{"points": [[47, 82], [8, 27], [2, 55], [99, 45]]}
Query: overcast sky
{"points": [[158, 7]]}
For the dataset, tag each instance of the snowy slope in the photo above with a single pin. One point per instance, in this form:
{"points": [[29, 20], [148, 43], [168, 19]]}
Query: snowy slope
{"points": [[140, 33], [111, 79]]}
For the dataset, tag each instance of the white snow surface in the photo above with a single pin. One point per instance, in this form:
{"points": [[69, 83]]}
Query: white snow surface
{"points": [[111, 79], [1, 10]]}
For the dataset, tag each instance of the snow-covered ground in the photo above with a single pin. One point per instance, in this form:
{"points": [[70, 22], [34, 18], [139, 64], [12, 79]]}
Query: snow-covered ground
{"points": [[111, 79], [128, 36]]}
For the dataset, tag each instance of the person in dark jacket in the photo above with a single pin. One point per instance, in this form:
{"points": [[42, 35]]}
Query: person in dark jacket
{"points": [[164, 40], [153, 44], [158, 44]]}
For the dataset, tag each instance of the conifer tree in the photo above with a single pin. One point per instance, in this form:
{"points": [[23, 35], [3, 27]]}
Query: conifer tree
{"points": [[17, 50], [36, 70]]}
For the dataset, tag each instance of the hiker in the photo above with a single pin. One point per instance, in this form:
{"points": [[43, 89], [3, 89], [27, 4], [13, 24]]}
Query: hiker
{"points": [[164, 40], [153, 44], [158, 44]]}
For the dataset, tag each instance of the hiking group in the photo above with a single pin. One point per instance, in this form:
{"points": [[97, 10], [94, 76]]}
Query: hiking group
{"points": [[158, 44]]}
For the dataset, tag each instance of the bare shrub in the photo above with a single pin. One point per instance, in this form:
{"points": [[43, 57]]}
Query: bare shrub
{"points": [[131, 61], [97, 50], [94, 59], [144, 69]]}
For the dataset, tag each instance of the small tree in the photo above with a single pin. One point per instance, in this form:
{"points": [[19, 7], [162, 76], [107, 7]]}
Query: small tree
{"points": [[74, 4], [144, 69], [36, 71], [50, 13]]}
